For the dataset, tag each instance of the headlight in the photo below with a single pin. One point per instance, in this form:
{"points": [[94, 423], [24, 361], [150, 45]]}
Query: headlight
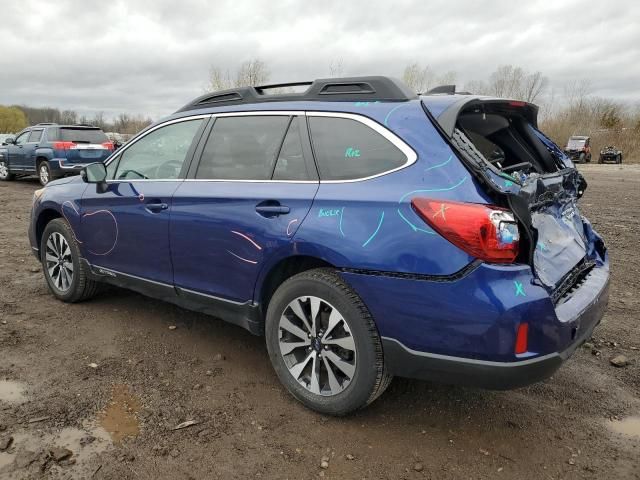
{"points": [[37, 194]]}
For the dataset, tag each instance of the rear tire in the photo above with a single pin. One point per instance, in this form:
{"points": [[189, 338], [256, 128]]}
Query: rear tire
{"points": [[66, 275], [44, 172], [341, 320], [5, 173]]}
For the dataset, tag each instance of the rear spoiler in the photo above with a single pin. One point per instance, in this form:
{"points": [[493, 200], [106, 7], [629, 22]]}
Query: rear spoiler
{"points": [[447, 117]]}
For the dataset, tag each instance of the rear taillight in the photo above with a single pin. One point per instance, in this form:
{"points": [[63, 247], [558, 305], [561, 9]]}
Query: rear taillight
{"points": [[63, 145], [108, 145], [483, 231]]}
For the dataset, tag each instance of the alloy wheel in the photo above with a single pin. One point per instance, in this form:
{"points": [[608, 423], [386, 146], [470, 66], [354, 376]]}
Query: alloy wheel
{"points": [[317, 345], [59, 261], [4, 170], [44, 174]]}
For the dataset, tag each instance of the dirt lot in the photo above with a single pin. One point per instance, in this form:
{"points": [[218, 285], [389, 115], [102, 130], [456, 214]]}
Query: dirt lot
{"points": [[110, 379]]}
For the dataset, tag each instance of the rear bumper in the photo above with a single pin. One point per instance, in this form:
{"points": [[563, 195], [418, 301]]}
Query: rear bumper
{"points": [[61, 165], [405, 362], [463, 331]]}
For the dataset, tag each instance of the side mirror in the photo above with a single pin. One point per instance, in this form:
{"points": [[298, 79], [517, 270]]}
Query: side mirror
{"points": [[94, 173], [9, 141]]}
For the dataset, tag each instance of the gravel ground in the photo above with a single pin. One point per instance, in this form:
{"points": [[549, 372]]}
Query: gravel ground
{"points": [[96, 390]]}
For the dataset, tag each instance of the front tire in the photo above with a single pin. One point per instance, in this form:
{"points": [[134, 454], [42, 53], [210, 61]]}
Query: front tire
{"points": [[323, 343], [66, 276], [5, 173]]}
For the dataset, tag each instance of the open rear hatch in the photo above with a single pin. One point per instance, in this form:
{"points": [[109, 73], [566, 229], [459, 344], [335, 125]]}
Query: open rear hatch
{"points": [[525, 171]]}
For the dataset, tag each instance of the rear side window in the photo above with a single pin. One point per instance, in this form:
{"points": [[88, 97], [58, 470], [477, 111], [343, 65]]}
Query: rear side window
{"points": [[35, 136], [242, 148], [346, 149], [291, 164], [79, 135]]}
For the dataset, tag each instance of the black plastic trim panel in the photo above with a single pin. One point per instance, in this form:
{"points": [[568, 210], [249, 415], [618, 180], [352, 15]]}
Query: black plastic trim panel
{"points": [[463, 272]]}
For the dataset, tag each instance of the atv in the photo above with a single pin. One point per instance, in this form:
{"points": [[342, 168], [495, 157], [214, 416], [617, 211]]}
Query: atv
{"points": [[610, 154]]}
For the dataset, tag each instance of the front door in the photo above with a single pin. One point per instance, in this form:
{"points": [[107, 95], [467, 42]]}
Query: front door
{"points": [[125, 226], [16, 152], [244, 201]]}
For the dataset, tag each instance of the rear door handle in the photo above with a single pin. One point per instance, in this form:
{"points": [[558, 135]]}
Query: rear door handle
{"points": [[156, 207], [272, 210]]}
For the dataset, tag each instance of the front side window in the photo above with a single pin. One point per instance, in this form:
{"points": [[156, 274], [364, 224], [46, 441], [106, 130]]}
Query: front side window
{"points": [[346, 149], [159, 155], [35, 136], [22, 139], [242, 148]]}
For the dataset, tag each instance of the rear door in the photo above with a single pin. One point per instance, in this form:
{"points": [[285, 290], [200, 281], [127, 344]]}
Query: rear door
{"points": [[125, 226], [245, 199], [29, 150]]}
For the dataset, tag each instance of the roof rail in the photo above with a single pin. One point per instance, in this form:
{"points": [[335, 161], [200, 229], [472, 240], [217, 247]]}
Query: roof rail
{"points": [[45, 123], [83, 125], [375, 88], [445, 90]]}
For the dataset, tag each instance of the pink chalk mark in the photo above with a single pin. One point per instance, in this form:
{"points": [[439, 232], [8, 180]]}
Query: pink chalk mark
{"points": [[243, 259], [247, 238]]}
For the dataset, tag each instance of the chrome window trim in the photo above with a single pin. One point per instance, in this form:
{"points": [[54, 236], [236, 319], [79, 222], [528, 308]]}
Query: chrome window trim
{"points": [[409, 153]]}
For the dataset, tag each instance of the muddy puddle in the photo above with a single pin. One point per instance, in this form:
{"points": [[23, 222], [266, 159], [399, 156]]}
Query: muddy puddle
{"points": [[12, 391], [120, 418], [629, 427], [83, 442]]}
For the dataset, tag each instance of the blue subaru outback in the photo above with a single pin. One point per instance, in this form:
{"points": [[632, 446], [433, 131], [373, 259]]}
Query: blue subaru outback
{"points": [[364, 230]]}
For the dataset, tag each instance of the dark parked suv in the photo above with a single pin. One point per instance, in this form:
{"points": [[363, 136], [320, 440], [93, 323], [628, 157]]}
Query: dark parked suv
{"points": [[364, 230], [52, 151]]}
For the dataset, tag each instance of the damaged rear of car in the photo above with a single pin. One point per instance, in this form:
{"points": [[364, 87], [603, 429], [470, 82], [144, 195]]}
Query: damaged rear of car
{"points": [[524, 172]]}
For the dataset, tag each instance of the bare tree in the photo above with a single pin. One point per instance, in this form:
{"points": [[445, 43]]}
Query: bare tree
{"points": [[533, 85], [336, 68], [250, 73], [418, 78]]}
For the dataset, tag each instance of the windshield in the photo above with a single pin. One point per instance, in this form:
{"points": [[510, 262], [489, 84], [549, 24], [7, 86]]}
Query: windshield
{"points": [[576, 143]]}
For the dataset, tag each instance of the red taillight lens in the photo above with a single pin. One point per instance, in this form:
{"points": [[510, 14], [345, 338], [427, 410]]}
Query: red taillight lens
{"points": [[522, 339], [108, 145], [63, 145], [485, 232]]}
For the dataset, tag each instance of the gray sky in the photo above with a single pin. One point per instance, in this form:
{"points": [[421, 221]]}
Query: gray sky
{"points": [[152, 56]]}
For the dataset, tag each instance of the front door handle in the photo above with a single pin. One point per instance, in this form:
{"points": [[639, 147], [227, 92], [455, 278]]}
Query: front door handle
{"points": [[156, 207], [272, 209]]}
